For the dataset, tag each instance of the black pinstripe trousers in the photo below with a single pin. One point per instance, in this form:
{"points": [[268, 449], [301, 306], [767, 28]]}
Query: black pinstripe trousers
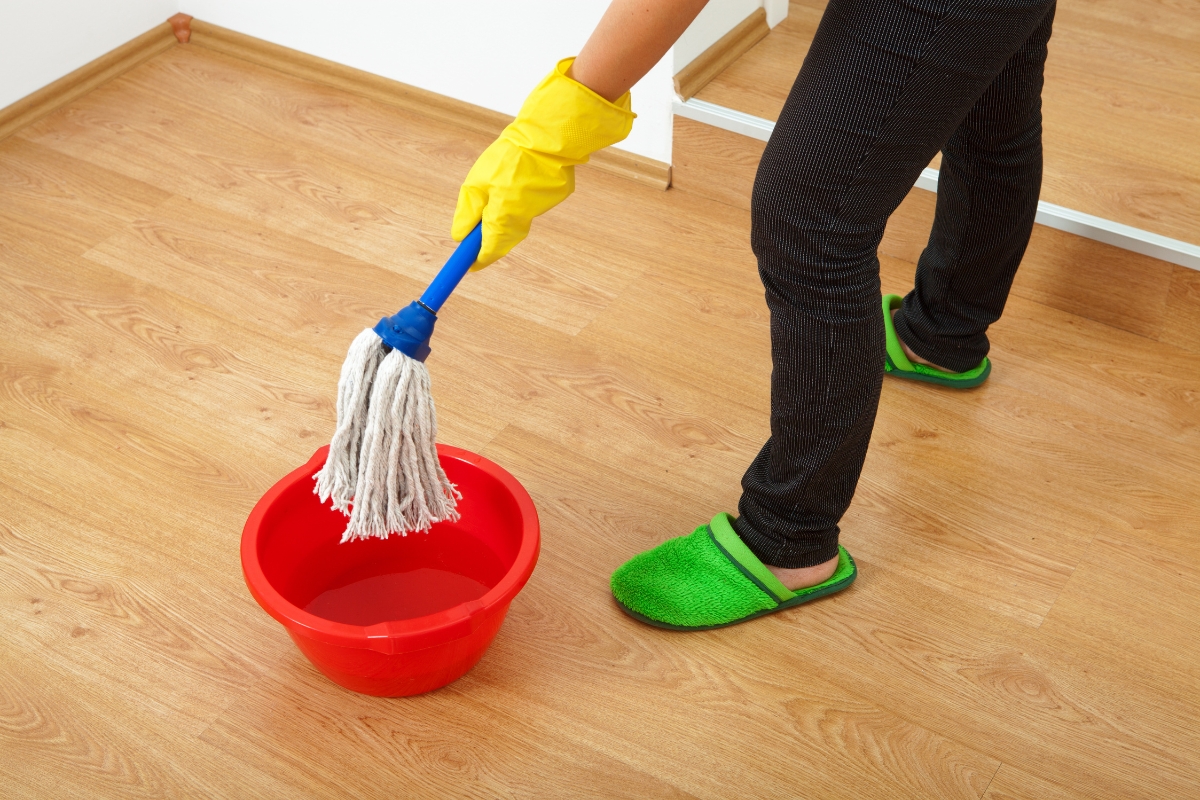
{"points": [[885, 85]]}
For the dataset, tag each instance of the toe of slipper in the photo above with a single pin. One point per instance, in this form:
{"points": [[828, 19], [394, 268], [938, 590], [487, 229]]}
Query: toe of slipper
{"points": [[687, 583]]}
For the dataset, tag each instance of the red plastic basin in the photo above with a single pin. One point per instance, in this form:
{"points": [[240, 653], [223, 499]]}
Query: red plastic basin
{"points": [[396, 616]]}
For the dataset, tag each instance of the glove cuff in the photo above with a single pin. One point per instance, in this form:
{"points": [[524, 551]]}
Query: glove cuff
{"points": [[564, 118]]}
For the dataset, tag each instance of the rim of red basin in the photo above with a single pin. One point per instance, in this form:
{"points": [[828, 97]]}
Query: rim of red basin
{"points": [[393, 636]]}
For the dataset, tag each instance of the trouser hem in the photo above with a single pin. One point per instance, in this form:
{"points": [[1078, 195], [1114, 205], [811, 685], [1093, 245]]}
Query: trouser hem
{"points": [[944, 353], [817, 548]]}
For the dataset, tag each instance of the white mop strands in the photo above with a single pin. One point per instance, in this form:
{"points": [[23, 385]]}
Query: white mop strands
{"points": [[383, 469]]}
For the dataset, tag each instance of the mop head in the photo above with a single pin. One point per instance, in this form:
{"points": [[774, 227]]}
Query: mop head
{"points": [[383, 469]]}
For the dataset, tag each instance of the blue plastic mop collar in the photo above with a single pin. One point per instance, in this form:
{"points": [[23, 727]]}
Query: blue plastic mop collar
{"points": [[409, 329]]}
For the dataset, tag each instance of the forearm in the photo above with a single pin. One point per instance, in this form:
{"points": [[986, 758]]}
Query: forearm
{"points": [[630, 39]]}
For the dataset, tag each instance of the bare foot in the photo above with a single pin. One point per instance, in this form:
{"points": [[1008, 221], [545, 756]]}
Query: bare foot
{"points": [[804, 577], [913, 356]]}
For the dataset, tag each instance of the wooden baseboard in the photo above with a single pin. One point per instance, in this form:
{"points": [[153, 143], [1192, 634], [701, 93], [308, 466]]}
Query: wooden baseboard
{"points": [[728, 49], [182, 25], [418, 101], [108, 66], [630, 165]]}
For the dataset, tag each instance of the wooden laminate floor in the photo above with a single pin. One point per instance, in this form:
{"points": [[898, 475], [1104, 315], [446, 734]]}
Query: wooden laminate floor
{"points": [[1121, 105], [186, 253]]}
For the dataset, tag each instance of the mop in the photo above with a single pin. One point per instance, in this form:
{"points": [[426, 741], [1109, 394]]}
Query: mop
{"points": [[383, 470]]}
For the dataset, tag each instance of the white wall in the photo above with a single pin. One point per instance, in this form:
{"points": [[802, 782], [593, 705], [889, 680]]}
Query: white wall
{"points": [[43, 40], [486, 52], [777, 11]]}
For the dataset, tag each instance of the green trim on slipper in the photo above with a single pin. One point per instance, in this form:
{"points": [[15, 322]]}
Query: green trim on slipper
{"points": [[895, 351], [736, 551], [710, 579], [897, 363]]}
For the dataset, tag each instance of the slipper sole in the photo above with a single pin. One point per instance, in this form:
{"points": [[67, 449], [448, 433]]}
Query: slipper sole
{"points": [[894, 356], [938, 380]]}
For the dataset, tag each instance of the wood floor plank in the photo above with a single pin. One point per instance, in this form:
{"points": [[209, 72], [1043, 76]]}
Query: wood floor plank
{"points": [[1147, 384], [1182, 325], [1022, 625], [483, 352], [589, 512], [1076, 275], [1011, 783], [77, 612], [438, 745], [1055, 354], [60, 749], [66, 199], [62, 739], [289, 291], [1127, 615], [145, 335], [964, 670], [387, 217], [124, 474], [715, 163]]}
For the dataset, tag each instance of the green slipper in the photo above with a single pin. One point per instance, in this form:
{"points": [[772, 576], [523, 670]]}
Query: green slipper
{"points": [[898, 364], [710, 579]]}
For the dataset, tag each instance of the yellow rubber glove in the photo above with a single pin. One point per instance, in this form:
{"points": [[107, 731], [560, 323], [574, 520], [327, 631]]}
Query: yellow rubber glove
{"points": [[531, 168]]}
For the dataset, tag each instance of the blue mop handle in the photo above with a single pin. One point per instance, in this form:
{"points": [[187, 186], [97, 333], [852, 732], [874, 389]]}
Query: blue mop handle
{"points": [[409, 329], [456, 267]]}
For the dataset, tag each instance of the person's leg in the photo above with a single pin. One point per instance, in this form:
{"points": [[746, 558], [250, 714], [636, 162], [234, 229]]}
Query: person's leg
{"points": [[988, 188], [884, 85]]}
